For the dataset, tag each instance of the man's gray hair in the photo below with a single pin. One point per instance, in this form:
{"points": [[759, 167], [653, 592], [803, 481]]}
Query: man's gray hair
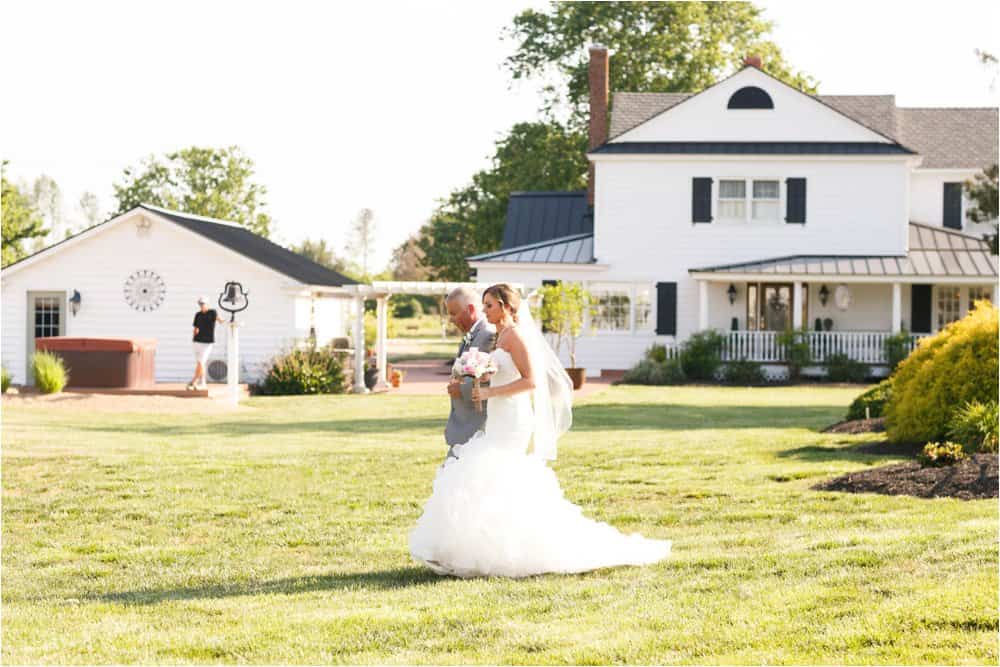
{"points": [[463, 296]]}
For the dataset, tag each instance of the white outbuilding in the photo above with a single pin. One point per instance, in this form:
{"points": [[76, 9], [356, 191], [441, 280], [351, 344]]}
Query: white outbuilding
{"points": [[139, 275]]}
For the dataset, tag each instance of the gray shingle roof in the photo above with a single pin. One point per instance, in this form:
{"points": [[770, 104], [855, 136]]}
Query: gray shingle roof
{"points": [[243, 241], [934, 252], [961, 138], [574, 249]]}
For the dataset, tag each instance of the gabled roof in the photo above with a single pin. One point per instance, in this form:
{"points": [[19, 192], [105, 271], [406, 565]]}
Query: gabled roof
{"points": [[234, 237], [573, 249], [540, 216], [934, 252], [751, 148], [947, 138]]}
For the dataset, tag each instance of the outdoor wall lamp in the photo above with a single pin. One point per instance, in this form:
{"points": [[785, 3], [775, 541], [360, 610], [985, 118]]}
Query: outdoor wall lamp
{"points": [[732, 293], [74, 302], [824, 294]]}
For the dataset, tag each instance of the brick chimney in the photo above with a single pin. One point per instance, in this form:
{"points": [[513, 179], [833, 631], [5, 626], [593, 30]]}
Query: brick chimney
{"points": [[753, 61], [598, 77]]}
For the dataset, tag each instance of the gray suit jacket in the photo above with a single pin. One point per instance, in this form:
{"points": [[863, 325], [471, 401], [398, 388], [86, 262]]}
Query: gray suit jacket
{"points": [[464, 420]]}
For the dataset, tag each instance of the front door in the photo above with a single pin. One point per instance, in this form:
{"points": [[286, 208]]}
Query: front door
{"points": [[46, 317], [769, 306]]}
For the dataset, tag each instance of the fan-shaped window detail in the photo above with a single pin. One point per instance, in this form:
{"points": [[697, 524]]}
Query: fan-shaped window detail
{"points": [[750, 97]]}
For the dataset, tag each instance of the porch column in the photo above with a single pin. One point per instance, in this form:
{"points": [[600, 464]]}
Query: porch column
{"points": [[359, 346], [897, 307], [382, 309], [797, 304], [702, 305]]}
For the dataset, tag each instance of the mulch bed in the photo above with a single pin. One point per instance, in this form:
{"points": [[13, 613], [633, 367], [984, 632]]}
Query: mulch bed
{"points": [[970, 479], [873, 425]]}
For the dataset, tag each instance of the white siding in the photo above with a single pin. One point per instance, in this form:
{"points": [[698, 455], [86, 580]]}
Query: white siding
{"points": [[189, 264], [927, 198]]}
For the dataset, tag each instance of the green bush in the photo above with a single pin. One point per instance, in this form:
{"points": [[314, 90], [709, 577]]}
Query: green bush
{"points": [[841, 368], [941, 454], [874, 399], [657, 353], [974, 425], [50, 372], [701, 355], [4, 379], [743, 372], [405, 306], [318, 371], [655, 373], [954, 367], [897, 347], [796, 345]]}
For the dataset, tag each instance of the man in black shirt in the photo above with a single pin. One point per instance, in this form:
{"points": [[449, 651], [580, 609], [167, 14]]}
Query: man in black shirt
{"points": [[202, 341]]}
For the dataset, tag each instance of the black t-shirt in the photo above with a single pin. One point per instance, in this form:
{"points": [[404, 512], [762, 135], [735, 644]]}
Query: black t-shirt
{"points": [[206, 326]]}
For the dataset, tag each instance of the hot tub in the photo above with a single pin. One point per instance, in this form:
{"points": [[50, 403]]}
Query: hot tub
{"points": [[105, 362]]}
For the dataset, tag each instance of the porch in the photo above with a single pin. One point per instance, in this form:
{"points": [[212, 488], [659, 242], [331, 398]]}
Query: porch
{"points": [[763, 346]]}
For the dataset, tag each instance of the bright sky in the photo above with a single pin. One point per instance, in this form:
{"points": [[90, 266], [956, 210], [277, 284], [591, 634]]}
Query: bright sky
{"points": [[382, 105]]}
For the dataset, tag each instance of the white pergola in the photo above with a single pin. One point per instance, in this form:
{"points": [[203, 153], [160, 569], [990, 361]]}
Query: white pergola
{"points": [[380, 291]]}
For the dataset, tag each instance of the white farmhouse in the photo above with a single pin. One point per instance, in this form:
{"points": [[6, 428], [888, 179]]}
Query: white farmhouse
{"points": [[139, 275], [752, 207]]}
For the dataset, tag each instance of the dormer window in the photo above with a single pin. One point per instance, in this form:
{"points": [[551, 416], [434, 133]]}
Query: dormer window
{"points": [[750, 97]]}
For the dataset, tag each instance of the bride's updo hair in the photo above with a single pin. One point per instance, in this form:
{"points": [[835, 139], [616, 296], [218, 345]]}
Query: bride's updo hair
{"points": [[509, 298]]}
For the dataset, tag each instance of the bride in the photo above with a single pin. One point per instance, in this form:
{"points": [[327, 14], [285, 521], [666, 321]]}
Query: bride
{"points": [[498, 509]]}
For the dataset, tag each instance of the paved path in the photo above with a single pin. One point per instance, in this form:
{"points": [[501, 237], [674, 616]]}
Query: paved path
{"points": [[430, 376]]}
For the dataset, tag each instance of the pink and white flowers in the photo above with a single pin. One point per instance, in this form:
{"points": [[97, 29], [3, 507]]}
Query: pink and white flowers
{"points": [[474, 364]]}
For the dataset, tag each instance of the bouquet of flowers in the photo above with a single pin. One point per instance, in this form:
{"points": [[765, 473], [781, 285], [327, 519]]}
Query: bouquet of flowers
{"points": [[474, 364]]}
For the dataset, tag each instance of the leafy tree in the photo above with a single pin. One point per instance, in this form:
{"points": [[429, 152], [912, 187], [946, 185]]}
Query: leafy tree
{"points": [[657, 47], [214, 182], [90, 208], [47, 199], [982, 190], [532, 156], [323, 254], [562, 311], [407, 261], [361, 244], [20, 220]]}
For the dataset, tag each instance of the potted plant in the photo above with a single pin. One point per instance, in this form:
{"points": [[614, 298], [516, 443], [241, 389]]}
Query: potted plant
{"points": [[561, 313], [396, 378]]}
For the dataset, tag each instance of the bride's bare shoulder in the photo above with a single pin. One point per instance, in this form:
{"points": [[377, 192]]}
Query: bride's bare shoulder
{"points": [[511, 340]]}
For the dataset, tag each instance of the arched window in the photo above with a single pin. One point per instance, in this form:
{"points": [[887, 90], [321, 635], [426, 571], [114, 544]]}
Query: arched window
{"points": [[750, 97]]}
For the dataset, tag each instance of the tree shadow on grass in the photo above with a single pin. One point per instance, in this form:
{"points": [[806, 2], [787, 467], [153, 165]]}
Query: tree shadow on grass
{"points": [[864, 452], [684, 417], [402, 577], [234, 429]]}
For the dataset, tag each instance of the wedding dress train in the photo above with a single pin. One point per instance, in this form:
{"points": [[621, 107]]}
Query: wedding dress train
{"points": [[497, 510]]}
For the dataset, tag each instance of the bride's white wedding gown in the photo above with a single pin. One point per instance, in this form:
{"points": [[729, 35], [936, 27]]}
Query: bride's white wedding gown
{"points": [[496, 510]]}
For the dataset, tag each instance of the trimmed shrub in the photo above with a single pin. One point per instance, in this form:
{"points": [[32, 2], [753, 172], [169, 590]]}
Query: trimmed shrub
{"points": [[796, 345], [874, 399], [307, 371], [743, 372], [954, 367], [657, 353], [841, 368], [897, 347], [50, 372], [655, 373], [941, 454], [4, 379], [404, 306], [701, 355], [975, 427]]}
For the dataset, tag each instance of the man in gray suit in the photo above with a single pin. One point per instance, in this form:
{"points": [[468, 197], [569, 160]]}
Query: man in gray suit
{"points": [[465, 420]]}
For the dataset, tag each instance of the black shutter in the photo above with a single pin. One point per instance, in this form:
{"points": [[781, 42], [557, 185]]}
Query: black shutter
{"points": [[666, 309], [953, 205], [795, 202], [920, 309], [701, 200]]}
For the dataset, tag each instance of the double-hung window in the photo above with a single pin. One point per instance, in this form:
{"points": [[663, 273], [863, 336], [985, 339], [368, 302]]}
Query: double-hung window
{"points": [[733, 200], [748, 200], [766, 200], [612, 308]]}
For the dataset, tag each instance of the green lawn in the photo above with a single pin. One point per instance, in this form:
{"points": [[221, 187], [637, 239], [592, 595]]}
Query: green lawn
{"points": [[277, 534]]}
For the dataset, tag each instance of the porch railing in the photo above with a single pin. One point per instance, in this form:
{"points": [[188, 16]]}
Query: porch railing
{"points": [[763, 346]]}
